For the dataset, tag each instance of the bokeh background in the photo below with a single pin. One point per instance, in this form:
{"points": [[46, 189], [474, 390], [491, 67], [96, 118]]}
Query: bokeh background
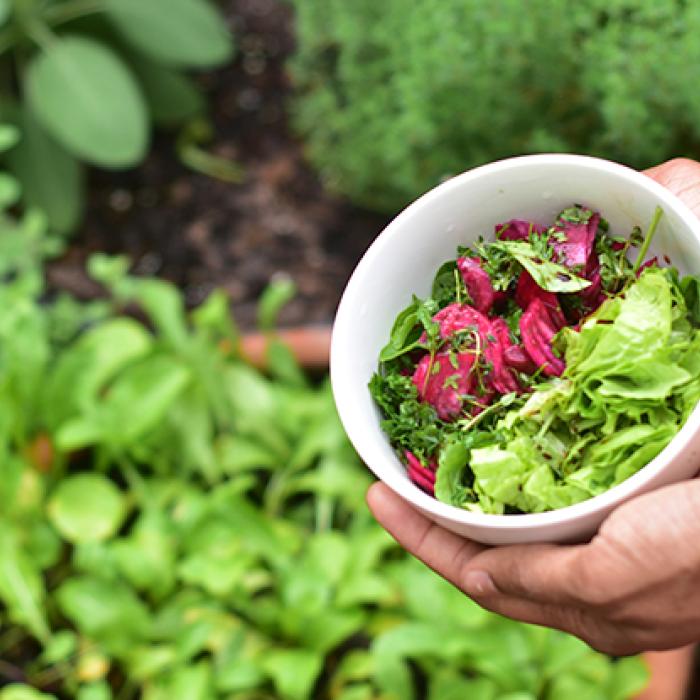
{"points": [[181, 515]]}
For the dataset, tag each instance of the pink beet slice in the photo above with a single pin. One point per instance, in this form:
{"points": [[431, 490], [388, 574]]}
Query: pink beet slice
{"points": [[478, 284], [421, 475], [517, 230], [577, 248], [457, 317], [527, 290], [500, 377], [517, 358], [442, 385], [537, 331]]}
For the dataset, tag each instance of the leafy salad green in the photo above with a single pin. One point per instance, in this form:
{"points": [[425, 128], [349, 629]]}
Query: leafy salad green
{"points": [[545, 368]]}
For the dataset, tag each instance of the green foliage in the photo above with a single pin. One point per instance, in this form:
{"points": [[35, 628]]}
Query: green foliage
{"points": [[176, 525], [84, 79], [391, 99]]}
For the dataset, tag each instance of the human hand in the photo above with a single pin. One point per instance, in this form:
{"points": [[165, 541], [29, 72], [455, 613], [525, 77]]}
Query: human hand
{"points": [[634, 587], [682, 177]]}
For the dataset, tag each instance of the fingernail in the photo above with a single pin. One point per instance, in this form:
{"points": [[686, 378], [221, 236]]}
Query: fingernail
{"points": [[479, 583]]}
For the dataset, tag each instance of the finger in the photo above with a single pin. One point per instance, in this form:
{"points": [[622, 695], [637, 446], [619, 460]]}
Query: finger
{"points": [[441, 550], [561, 617], [682, 177], [545, 573]]}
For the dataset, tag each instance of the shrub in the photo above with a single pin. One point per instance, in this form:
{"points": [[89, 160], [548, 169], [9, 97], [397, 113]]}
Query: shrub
{"points": [[392, 97], [84, 79]]}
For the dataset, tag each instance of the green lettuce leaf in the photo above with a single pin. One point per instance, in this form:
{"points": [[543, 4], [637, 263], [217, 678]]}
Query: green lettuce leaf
{"points": [[632, 378]]}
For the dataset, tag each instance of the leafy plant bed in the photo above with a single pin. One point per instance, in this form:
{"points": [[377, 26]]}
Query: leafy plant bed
{"points": [[202, 233], [177, 525]]}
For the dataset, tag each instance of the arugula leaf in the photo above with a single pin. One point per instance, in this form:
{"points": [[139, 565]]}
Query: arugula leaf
{"points": [[448, 285], [404, 334], [549, 275]]}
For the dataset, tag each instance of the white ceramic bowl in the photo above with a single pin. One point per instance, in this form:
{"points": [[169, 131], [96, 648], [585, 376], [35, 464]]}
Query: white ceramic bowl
{"points": [[403, 260]]}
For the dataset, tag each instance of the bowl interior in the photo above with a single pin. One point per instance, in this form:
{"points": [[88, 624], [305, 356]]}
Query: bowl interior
{"points": [[404, 258]]}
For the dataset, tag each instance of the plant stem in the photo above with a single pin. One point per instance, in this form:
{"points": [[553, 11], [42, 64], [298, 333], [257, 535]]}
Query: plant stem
{"points": [[191, 153], [658, 213]]}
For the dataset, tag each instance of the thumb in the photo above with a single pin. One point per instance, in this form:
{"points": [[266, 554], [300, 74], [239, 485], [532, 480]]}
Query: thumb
{"points": [[682, 177]]}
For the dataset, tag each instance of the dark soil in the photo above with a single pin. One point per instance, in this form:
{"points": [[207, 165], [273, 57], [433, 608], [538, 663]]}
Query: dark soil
{"points": [[203, 233]]}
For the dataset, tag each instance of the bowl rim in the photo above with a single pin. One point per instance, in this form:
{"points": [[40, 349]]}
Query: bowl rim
{"points": [[342, 382]]}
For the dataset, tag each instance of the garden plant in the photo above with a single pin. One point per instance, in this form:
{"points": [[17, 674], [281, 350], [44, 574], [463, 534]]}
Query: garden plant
{"points": [[85, 79], [390, 100]]}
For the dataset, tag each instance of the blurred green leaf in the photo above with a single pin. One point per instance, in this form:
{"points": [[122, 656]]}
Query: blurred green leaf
{"points": [[192, 419], [145, 662], [272, 300], [237, 454], [42, 543], [171, 96], [5, 11], [164, 306], [82, 371], [189, 683], [141, 396], [185, 33], [52, 179], [60, 647], [107, 611], [414, 639], [293, 671], [630, 676], [393, 676], [84, 95], [283, 365], [563, 653], [447, 684], [323, 632], [147, 556], [9, 134], [213, 319], [86, 508], [10, 191], [21, 585], [94, 691]]}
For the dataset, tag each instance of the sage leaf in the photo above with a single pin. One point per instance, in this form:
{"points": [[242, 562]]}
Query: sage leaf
{"points": [[86, 97]]}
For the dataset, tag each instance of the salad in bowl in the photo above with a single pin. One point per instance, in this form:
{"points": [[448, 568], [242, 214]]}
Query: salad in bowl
{"points": [[517, 353], [544, 368]]}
